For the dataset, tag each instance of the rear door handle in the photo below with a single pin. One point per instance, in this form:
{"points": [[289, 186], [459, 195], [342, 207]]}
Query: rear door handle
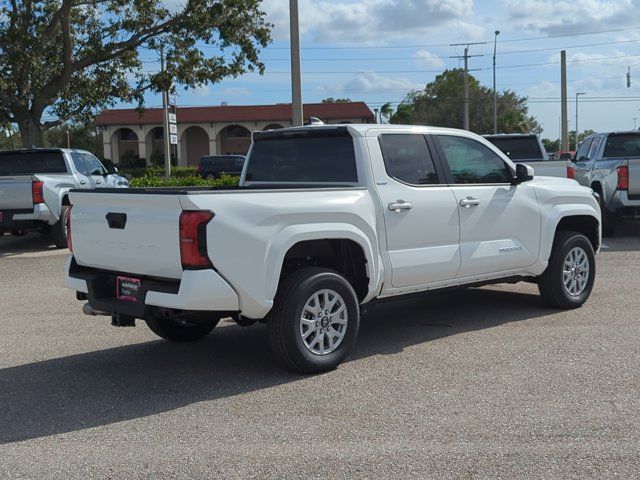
{"points": [[469, 202], [400, 205]]}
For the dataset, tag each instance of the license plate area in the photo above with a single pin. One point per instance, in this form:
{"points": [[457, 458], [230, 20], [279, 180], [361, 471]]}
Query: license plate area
{"points": [[128, 289]]}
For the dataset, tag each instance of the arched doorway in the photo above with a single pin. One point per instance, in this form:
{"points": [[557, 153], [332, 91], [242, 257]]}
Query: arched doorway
{"points": [[155, 146], [234, 140], [194, 145], [124, 144], [273, 126]]}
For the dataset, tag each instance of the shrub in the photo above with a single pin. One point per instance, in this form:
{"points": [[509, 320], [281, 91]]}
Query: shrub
{"points": [[176, 172], [131, 160], [185, 181]]}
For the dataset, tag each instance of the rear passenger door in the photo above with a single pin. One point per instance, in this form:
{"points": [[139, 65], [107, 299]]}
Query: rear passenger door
{"points": [[420, 211], [499, 221], [82, 170]]}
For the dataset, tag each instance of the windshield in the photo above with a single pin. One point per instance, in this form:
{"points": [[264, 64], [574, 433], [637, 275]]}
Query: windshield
{"points": [[28, 163], [312, 158], [519, 148], [622, 145]]}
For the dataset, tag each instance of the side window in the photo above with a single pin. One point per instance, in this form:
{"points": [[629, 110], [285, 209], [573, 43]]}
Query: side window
{"points": [[583, 150], [240, 162], [472, 162], [593, 150], [79, 164], [407, 158], [93, 165]]}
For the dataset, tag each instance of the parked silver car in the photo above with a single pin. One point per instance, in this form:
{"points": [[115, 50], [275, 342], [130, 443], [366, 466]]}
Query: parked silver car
{"points": [[34, 187], [610, 164]]}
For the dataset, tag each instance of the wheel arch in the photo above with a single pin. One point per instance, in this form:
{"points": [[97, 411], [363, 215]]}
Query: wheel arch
{"points": [[584, 219], [353, 255]]}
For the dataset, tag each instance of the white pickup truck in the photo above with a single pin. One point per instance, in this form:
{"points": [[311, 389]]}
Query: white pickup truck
{"points": [[326, 220]]}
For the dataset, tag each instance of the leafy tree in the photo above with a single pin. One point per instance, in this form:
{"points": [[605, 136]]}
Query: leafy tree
{"points": [[551, 145], [68, 58], [82, 137], [441, 104], [336, 100], [386, 111]]}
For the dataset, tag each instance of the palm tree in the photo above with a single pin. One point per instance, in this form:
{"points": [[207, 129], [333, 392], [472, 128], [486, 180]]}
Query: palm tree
{"points": [[386, 111]]}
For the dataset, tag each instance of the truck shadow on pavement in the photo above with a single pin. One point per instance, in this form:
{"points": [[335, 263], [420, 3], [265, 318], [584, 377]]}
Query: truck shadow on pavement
{"points": [[32, 243], [117, 384]]}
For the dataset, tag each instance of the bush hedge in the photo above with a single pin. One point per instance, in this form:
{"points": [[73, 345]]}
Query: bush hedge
{"points": [[193, 181], [176, 172]]}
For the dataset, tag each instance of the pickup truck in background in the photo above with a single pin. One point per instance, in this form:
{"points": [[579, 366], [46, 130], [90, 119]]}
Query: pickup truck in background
{"points": [[326, 220], [609, 163], [35, 184], [528, 149]]}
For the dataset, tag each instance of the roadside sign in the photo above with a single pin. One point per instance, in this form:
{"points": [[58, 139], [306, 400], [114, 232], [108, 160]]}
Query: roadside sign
{"points": [[173, 139], [173, 128], [172, 118]]}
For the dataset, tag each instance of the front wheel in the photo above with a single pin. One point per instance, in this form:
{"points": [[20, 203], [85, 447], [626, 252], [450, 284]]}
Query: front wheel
{"points": [[568, 280], [315, 320], [180, 330]]}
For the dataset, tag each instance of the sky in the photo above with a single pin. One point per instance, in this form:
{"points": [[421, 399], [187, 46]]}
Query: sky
{"points": [[378, 50]]}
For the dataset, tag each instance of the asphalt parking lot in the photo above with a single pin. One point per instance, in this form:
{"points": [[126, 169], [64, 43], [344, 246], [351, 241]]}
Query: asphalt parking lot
{"points": [[478, 383]]}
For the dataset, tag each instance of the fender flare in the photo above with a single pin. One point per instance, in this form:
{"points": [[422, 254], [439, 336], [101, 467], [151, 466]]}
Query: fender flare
{"points": [[290, 236], [553, 219]]}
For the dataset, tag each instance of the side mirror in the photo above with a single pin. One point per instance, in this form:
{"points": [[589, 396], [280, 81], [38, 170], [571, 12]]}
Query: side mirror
{"points": [[524, 173]]}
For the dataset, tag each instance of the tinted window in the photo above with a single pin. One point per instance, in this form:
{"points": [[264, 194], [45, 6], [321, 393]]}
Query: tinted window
{"points": [[318, 158], [93, 165], [583, 150], [594, 148], [472, 162], [79, 164], [407, 158], [27, 163], [519, 148], [622, 145]]}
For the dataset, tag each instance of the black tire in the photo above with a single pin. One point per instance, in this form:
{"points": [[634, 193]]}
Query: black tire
{"points": [[609, 220], [284, 322], [59, 230], [551, 282], [180, 330]]}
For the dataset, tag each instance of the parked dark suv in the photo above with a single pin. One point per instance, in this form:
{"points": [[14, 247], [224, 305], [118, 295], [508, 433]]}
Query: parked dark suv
{"points": [[215, 165]]}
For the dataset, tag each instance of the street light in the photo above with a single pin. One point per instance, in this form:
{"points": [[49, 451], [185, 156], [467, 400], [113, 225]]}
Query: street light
{"points": [[635, 119], [495, 94], [577, 96]]}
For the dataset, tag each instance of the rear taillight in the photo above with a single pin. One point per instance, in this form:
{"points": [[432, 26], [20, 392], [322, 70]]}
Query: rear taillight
{"points": [[571, 171], [193, 239], [67, 226], [37, 192], [623, 178]]}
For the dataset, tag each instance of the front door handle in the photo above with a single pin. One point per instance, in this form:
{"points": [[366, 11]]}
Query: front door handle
{"points": [[98, 182], [400, 205], [469, 202], [82, 182]]}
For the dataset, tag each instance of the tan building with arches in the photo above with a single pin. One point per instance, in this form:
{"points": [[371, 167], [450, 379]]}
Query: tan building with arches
{"points": [[209, 130]]}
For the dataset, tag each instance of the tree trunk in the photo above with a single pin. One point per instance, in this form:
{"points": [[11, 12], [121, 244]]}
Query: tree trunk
{"points": [[31, 133]]}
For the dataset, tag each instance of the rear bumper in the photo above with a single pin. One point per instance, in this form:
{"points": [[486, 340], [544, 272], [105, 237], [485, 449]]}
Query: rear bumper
{"points": [[621, 204], [197, 291], [28, 219]]}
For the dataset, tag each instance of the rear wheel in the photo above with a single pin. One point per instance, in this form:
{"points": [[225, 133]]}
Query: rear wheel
{"points": [[608, 219], [568, 280], [315, 320], [59, 230], [180, 330]]}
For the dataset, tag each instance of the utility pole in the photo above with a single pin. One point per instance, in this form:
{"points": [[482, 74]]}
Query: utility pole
{"points": [[296, 69], [565, 113], [577, 134], [495, 92], [465, 110], [165, 128]]}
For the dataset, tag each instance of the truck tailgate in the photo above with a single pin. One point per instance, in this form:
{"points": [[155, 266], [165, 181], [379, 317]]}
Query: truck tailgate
{"points": [[128, 233], [15, 193], [634, 177]]}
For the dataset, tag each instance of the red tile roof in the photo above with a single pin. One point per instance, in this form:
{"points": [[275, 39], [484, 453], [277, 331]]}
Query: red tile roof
{"points": [[228, 114]]}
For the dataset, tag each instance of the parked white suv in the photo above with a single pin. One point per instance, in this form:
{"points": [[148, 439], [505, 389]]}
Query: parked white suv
{"points": [[326, 220]]}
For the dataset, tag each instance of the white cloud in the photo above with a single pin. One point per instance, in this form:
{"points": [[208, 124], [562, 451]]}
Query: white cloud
{"points": [[368, 21], [426, 59], [374, 82], [572, 16]]}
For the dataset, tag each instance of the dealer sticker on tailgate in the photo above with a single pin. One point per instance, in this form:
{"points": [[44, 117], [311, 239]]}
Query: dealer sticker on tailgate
{"points": [[127, 289]]}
